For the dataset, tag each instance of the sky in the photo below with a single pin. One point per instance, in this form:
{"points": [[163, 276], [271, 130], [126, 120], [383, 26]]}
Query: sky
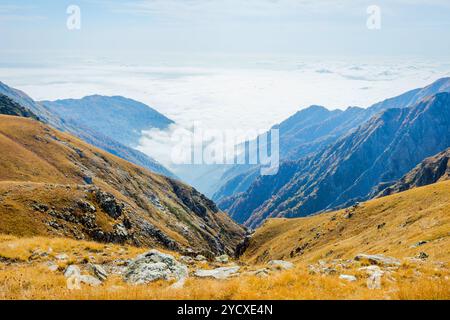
{"points": [[224, 63], [307, 27]]}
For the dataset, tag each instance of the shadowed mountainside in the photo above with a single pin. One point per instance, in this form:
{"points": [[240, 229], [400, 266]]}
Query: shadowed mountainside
{"points": [[53, 184], [381, 151], [429, 171], [314, 128]]}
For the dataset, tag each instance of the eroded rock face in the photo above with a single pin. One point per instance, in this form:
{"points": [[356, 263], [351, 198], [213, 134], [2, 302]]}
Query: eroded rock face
{"points": [[153, 266]]}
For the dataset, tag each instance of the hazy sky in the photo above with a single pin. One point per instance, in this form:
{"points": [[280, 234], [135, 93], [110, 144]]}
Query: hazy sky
{"points": [[306, 27]]}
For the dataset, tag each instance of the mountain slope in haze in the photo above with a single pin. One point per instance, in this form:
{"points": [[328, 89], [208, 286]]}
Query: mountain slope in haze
{"points": [[378, 152], [53, 184], [392, 226], [429, 171], [314, 128], [87, 134], [117, 117]]}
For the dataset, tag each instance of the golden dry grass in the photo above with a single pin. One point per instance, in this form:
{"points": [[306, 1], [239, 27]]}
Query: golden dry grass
{"points": [[22, 278], [390, 226]]}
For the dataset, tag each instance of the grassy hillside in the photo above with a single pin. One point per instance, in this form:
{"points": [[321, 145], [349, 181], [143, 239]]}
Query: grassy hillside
{"points": [[53, 184], [390, 226]]}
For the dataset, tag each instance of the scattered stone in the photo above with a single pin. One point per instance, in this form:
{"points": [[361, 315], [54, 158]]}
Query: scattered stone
{"points": [[375, 273], [280, 264], [378, 259], [381, 226], [72, 271], [187, 260], [99, 272], [89, 280], [374, 280], [418, 244], [62, 256], [219, 273], [223, 258], [109, 204], [199, 257], [52, 266], [86, 206], [347, 277], [422, 256], [153, 266]]}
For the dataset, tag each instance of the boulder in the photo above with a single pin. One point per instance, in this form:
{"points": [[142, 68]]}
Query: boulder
{"points": [[219, 273], [99, 272], [153, 266], [280, 264], [375, 273], [223, 258], [199, 257], [378, 259], [187, 260], [72, 271], [422, 256], [62, 256], [89, 280], [347, 277]]}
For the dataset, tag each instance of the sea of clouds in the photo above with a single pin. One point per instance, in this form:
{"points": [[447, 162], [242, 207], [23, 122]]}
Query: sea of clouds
{"points": [[225, 93]]}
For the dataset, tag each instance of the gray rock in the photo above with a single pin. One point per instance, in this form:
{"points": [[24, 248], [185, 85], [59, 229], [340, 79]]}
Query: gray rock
{"points": [[418, 244], [378, 259], [187, 260], [72, 271], [375, 273], [99, 272], [62, 256], [422, 256], [347, 277], [223, 258], [199, 257], [153, 266], [89, 280], [219, 273], [280, 264]]}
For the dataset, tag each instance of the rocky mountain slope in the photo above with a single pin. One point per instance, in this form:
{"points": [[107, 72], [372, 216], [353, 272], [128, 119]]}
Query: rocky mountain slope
{"points": [[117, 117], [429, 171], [52, 183], [9, 107], [390, 248], [381, 151], [401, 225], [84, 132], [314, 128]]}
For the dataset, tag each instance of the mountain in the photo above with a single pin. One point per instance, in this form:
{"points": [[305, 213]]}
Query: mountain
{"points": [[86, 133], [429, 171], [316, 127], [117, 117], [9, 107], [53, 184], [401, 225], [380, 151]]}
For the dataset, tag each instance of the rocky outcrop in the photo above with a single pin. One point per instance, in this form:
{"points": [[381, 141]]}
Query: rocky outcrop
{"points": [[11, 108]]}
